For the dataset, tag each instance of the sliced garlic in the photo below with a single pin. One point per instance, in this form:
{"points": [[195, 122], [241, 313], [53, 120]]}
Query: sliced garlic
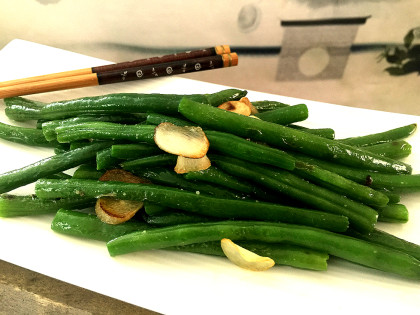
{"points": [[247, 102], [115, 211], [236, 107], [186, 141], [185, 165], [245, 258], [119, 175]]}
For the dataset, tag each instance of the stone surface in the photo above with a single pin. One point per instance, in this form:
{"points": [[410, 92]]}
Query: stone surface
{"points": [[23, 291]]}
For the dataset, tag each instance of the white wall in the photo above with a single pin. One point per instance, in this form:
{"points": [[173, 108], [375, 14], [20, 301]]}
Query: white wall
{"points": [[130, 29]]}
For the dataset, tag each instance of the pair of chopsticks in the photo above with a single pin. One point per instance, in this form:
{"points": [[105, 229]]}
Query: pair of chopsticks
{"points": [[179, 63]]}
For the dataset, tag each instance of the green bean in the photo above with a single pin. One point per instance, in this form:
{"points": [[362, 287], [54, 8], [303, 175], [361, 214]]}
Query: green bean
{"points": [[116, 104], [285, 115], [328, 133], [360, 216], [23, 101], [395, 183], [348, 248], [88, 226], [24, 135], [59, 175], [151, 208], [381, 137], [266, 105], [87, 171], [238, 147], [340, 184], [134, 150], [48, 127], [105, 131], [174, 217], [190, 202], [355, 210], [79, 144], [164, 159], [51, 165], [395, 149], [392, 196], [61, 148], [156, 119], [29, 205], [104, 160], [388, 240], [216, 176], [278, 135], [39, 123], [282, 254], [163, 176], [393, 213]]}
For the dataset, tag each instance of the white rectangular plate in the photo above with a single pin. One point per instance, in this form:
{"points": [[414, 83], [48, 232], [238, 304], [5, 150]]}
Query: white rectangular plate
{"points": [[182, 283]]}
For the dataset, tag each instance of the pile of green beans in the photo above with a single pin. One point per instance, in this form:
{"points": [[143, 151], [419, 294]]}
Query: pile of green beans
{"points": [[295, 194]]}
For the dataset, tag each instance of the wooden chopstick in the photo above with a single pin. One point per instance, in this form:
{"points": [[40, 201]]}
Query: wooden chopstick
{"points": [[148, 71], [217, 50]]}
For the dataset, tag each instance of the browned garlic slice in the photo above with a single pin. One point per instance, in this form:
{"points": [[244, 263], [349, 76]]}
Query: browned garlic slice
{"points": [[243, 107], [119, 175], [115, 211], [236, 107], [246, 101]]}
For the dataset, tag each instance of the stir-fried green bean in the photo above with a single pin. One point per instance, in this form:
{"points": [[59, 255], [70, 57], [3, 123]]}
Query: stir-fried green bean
{"points": [[360, 216], [156, 119], [29, 205], [385, 239], [174, 217], [114, 104], [396, 149], [381, 137], [376, 180], [48, 127], [86, 225], [328, 133], [218, 177], [340, 184], [282, 254], [104, 160], [105, 131], [393, 213], [24, 135], [164, 159], [89, 226], [191, 202], [285, 115], [238, 147], [267, 105], [87, 171], [51, 165], [282, 136], [134, 150], [348, 248]]}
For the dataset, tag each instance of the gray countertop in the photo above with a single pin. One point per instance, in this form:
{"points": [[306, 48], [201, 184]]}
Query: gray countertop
{"points": [[23, 291]]}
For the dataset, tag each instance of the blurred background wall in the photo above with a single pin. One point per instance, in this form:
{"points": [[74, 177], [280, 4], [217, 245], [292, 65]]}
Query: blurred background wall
{"points": [[287, 47]]}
